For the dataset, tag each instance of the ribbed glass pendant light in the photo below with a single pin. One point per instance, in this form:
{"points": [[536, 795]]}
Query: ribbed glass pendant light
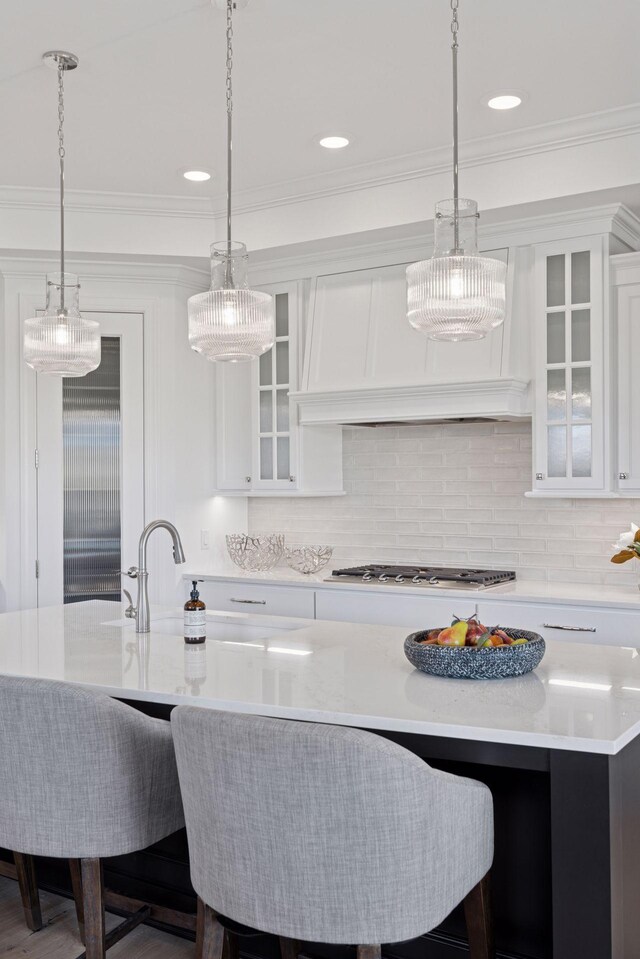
{"points": [[61, 341], [230, 322], [457, 294]]}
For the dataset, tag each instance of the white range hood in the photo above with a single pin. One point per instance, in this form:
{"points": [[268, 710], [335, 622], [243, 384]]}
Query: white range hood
{"points": [[364, 363]]}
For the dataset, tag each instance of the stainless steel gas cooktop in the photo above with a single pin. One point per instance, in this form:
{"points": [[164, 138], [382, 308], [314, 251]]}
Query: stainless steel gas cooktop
{"points": [[441, 576]]}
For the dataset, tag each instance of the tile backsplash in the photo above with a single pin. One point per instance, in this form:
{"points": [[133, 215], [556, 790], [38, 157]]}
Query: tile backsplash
{"points": [[453, 494]]}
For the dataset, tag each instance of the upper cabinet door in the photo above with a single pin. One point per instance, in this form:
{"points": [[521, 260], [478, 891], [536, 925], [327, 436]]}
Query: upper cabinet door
{"points": [[360, 337], [569, 366], [627, 325], [274, 375]]}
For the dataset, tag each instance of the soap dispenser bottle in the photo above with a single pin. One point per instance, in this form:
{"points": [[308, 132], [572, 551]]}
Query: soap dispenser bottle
{"points": [[195, 620]]}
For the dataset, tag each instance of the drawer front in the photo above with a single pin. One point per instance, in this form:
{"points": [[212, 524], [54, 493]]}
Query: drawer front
{"points": [[252, 598], [577, 624], [394, 609]]}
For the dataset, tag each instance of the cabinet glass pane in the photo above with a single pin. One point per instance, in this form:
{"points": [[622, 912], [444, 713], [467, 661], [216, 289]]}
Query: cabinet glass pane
{"points": [[282, 314], [282, 362], [580, 335], [555, 280], [581, 394], [283, 458], [266, 363], [266, 458], [581, 454], [556, 395], [580, 277], [557, 450], [266, 411], [282, 411], [555, 338]]}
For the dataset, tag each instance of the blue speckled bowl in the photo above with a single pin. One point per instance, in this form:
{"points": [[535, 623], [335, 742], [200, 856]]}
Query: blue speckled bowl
{"points": [[469, 662]]}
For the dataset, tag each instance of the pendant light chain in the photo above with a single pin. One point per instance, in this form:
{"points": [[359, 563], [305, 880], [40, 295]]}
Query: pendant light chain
{"points": [[229, 88], [454, 64], [61, 153], [230, 322], [457, 294]]}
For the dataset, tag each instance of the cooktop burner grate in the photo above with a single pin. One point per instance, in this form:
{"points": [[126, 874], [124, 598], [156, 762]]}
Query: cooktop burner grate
{"points": [[427, 575]]}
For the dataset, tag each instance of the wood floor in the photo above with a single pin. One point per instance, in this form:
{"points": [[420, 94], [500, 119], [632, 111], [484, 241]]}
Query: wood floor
{"points": [[58, 939]]}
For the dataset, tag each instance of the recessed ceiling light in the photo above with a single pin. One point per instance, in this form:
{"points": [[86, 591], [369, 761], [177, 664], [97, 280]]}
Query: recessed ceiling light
{"points": [[334, 143], [198, 176], [504, 101]]}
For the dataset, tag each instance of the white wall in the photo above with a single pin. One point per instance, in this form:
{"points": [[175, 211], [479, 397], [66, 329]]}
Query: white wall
{"points": [[454, 494], [178, 415]]}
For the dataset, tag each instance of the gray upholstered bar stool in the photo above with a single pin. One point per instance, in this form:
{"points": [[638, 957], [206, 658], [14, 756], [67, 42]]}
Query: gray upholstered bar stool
{"points": [[327, 834], [82, 777]]}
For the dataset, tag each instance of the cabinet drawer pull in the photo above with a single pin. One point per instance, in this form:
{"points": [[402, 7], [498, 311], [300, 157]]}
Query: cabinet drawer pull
{"points": [[250, 602], [572, 629]]}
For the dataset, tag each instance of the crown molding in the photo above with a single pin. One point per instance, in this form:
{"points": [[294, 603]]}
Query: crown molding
{"points": [[103, 269], [528, 141], [409, 242]]}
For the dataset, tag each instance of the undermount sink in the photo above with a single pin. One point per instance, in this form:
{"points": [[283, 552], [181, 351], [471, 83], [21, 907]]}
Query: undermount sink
{"points": [[221, 627]]}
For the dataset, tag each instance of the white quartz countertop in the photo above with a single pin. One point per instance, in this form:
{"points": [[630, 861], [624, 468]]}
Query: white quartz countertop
{"points": [[581, 697], [520, 591]]}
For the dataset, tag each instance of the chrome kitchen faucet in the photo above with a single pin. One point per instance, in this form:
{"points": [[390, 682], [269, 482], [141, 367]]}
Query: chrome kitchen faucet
{"points": [[140, 612]]}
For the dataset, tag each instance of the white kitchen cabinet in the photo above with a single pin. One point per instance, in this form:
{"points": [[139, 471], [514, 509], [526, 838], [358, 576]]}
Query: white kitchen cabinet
{"points": [[625, 273], [575, 624], [238, 597], [261, 448], [571, 350], [419, 611]]}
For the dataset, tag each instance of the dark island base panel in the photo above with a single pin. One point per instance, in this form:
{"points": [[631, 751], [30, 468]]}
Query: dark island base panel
{"points": [[551, 889]]}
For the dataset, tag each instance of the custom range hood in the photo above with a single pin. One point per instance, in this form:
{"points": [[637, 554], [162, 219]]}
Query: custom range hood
{"points": [[364, 364]]}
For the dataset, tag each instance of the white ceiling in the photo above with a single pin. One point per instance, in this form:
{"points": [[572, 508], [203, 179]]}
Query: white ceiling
{"points": [[148, 98]]}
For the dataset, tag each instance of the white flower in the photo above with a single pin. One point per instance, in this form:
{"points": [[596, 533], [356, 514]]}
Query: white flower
{"points": [[626, 539]]}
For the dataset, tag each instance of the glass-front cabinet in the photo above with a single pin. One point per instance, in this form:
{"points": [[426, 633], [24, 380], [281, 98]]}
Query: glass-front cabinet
{"points": [[273, 374], [261, 449], [569, 451]]}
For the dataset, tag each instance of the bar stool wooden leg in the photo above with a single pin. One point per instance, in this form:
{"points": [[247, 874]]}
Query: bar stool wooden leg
{"points": [[93, 908], [477, 913], [76, 886], [209, 933], [289, 948], [230, 945], [28, 884], [369, 952]]}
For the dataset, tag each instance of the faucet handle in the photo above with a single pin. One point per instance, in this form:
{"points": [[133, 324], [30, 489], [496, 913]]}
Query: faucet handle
{"points": [[132, 572], [130, 611]]}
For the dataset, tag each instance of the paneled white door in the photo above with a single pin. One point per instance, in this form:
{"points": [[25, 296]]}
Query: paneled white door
{"points": [[90, 468]]}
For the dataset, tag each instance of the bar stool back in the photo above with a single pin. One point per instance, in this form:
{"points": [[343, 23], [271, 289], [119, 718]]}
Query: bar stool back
{"points": [[328, 834], [82, 777]]}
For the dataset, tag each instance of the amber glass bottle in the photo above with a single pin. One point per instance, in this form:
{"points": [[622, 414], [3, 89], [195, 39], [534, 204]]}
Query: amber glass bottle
{"points": [[195, 620]]}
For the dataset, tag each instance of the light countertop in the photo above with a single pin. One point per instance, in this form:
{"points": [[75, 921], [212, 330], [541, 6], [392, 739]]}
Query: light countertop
{"points": [[581, 697], [520, 591]]}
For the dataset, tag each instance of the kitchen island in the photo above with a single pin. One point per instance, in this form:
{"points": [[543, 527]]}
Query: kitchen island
{"points": [[559, 749]]}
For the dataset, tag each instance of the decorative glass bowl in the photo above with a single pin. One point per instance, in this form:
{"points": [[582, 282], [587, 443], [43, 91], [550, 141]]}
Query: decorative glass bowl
{"points": [[255, 553], [308, 559]]}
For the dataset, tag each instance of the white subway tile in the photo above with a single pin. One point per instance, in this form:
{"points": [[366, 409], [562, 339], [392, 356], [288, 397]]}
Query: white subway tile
{"points": [[454, 494]]}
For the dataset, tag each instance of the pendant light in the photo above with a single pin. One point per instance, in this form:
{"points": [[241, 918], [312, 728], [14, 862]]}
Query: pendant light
{"points": [[230, 322], [457, 294], [61, 341]]}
